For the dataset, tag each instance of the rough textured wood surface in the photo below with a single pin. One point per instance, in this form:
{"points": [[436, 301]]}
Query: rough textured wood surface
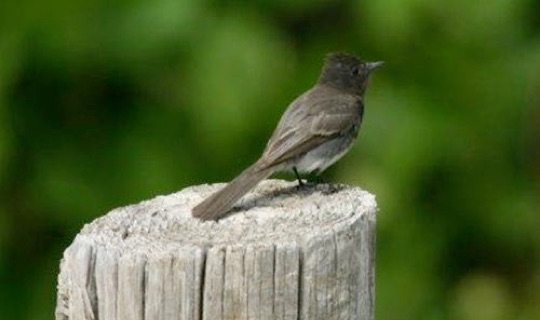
{"points": [[285, 253]]}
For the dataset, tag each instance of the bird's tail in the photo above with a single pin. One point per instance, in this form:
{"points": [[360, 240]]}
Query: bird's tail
{"points": [[218, 204]]}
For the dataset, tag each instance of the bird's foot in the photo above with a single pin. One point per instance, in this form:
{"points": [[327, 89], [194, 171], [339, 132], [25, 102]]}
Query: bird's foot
{"points": [[311, 181]]}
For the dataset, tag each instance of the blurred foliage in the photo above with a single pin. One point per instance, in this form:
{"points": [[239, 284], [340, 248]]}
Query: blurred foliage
{"points": [[104, 103]]}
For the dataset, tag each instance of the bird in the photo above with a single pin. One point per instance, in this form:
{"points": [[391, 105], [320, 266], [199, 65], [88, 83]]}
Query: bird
{"points": [[314, 132]]}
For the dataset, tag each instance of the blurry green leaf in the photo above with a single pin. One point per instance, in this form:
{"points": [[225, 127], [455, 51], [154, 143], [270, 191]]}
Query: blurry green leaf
{"points": [[236, 70], [482, 297]]}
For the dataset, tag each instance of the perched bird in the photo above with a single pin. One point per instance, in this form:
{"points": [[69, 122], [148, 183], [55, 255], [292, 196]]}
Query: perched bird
{"points": [[315, 131]]}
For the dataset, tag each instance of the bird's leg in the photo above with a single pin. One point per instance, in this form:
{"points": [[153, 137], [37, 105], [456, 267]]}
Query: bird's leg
{"points": [[300, 182]]}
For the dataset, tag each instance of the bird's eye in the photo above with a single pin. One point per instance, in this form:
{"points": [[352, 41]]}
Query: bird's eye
{"points": [[355, 71]]}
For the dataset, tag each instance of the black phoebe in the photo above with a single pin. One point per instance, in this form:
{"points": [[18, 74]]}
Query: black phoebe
{"points": [[315, 131]]}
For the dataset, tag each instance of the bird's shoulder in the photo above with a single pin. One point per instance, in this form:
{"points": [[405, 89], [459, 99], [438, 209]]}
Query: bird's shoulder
{"points": [[321, 104], [327, 98]]}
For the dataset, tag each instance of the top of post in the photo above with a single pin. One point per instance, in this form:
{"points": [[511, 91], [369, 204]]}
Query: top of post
{"points": [[275, 211]]}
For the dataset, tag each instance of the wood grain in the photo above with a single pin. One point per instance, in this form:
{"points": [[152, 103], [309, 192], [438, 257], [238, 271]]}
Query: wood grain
{"points": [[284, 253]]}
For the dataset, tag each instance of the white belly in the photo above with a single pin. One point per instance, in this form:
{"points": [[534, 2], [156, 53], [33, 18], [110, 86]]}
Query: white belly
{"points": [[324, 156]]}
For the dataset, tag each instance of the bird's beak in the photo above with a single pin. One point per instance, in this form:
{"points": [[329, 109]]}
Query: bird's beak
{"points": [[374, 65]]}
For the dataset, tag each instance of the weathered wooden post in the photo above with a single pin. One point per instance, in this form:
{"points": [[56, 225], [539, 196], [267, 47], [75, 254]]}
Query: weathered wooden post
{"points": [[285, 254]]}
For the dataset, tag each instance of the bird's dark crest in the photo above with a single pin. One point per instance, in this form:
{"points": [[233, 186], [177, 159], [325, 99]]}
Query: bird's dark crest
{"points": [[343, 58]]}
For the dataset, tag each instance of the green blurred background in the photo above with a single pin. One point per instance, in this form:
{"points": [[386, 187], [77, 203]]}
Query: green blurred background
{"points": [[107, 103]]}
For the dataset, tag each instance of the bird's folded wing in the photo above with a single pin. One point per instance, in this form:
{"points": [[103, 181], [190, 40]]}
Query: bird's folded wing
{"points": [[292, 140]]}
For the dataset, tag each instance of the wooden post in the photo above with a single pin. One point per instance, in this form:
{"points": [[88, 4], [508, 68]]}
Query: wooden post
{"points": [[285, 253]]}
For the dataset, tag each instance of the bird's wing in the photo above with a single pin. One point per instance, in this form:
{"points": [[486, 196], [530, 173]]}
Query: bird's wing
{"points": [[309, 122]]}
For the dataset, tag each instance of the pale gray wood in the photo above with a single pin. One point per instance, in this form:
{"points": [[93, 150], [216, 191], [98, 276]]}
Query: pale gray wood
{"points": [[285, 254], [106, 273], [214, 284], [234, 290], [131, 287], [286, 280]]}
